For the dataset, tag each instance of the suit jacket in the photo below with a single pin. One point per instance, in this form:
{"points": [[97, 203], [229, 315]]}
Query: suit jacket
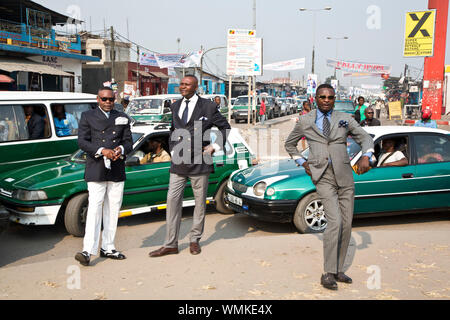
{"points": [[322, 149], [36, 127], [96, 131], [187, 145]]}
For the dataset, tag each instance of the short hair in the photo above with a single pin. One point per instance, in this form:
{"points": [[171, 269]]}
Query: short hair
{"points": [[306, 102], [105, 89], [361, 97], [324, 86], [191, 76]]}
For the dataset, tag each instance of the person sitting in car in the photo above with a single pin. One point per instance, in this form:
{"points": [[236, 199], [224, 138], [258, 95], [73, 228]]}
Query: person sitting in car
{"points": [[155, 152], [391, 157]]}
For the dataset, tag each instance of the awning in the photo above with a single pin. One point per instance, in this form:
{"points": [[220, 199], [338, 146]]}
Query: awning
{"points": [[5, 79], [25, 65], [143, 73], [159, 75]]}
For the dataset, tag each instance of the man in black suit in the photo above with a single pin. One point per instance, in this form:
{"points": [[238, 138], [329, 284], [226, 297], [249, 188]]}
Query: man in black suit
{"points": [[191, 149], [35, 123], [105, 135]]}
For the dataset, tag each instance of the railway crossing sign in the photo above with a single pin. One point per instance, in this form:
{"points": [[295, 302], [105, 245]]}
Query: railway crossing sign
{"points": [[419, 33]]}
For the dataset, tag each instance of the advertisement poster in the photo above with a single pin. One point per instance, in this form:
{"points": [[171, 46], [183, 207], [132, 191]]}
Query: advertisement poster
{"points": [[311, 84]]}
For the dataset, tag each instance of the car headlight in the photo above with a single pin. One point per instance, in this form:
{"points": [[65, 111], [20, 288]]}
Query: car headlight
{"points": [[260, 188], [270, 191], [27, 195]]}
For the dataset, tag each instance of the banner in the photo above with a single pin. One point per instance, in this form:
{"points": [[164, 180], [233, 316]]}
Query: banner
{"points": [[294, 64], [311, 84], [148, 59], [358, 67], [169, 59]]}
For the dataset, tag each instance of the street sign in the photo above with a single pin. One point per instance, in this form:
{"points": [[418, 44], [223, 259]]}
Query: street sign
{"points": [[419, 33], [244, 53]]}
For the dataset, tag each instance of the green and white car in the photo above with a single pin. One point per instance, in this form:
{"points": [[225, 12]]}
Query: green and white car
{"points": [[283, 192], [152, 109], [40, 194]]}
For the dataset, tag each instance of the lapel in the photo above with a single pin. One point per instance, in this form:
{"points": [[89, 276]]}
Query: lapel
{"points": [[312, 119], [102, 120], [176, 108], [334, 120]]}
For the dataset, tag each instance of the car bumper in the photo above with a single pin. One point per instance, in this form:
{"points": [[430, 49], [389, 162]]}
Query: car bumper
{"points": [[265, 210], [28, 215], [4, 219], [241, 116]]}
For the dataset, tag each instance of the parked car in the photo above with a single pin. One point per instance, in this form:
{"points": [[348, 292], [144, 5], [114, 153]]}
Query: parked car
{"points": [[240, 108], [283, 192], [284, 107], [40, 194], [17, 147], [223, 102], [152, 109]]}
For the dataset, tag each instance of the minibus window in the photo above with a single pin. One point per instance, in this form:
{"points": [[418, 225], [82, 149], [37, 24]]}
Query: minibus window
{"points": [[66, 117]]}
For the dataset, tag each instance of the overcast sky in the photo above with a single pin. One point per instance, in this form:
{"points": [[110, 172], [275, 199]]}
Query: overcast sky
{"points": [[287, 32]]}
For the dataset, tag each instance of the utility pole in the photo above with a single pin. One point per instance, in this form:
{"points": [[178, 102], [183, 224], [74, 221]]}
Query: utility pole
{"points": [[254, 77], [113, 54], [137, 73]]}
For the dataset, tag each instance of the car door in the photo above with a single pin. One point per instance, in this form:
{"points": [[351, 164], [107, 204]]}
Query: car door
{"points": [[387, 189], [432, 156], [146, 184]]}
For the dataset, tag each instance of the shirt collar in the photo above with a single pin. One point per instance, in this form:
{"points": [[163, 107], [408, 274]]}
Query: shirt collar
{"points": [[105, 113], [193, 100], [320, 114]]}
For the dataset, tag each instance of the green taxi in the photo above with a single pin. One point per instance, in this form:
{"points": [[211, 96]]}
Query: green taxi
{"points": [[282, 192], [152, 109], [43, 193]]}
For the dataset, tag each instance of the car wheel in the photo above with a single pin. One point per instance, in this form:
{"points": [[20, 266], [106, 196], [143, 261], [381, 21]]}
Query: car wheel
{"points": [[219, 200], [75, 215], [236, 121], [309, 216]]}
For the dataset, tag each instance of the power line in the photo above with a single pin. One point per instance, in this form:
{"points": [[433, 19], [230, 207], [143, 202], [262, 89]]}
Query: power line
{"points": [[140, 46]]}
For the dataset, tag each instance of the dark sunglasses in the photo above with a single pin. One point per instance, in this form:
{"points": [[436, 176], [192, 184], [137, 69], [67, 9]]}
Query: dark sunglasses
{"points": [[369, 112], [108, 99], [329, 97]]}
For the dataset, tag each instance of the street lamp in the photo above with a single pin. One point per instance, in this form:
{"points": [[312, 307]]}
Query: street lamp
{"points": [[314, 29], [337, 41]]}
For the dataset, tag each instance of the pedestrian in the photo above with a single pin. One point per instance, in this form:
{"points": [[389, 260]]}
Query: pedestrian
{"points": [[305, 110], [425, 120], [105, 135], [217, 101], [370, 121], [192, 119], [262, 111], [359, 110], [378, 108], [125, 103], [329, 167]]}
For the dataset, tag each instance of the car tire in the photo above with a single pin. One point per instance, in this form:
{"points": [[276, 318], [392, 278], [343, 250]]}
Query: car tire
{"points": [[309, 216], [75, 215], [219, 200]]}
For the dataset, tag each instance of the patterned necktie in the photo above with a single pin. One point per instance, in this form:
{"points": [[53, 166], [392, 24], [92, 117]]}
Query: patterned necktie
{"points": [[326, 126], [185, 113]]}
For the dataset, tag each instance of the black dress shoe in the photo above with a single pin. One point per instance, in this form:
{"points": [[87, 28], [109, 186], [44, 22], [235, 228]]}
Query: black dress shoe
{"points": [[328, 281], [83, 257], [116, 255], [341, 277]]}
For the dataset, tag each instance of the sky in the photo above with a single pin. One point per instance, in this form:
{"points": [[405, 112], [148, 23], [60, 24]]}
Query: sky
{"points": [[375, 29]]}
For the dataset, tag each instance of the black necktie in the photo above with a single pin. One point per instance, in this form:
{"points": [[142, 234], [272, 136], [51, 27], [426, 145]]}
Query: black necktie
{"points": [[186, 113], [326, 126]]}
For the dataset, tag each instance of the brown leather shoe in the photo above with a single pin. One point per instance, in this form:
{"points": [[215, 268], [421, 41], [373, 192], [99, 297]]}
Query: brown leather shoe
{"points": [[341, 277], [195, 248], [163, 251]]}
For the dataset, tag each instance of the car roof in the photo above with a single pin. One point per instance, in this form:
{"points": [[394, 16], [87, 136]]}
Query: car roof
{"points": [[158, 96], [44, 95], [384, 130]]}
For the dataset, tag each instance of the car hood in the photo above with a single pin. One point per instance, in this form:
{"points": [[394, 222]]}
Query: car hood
{"points": [[42, 175], [288, 169]]}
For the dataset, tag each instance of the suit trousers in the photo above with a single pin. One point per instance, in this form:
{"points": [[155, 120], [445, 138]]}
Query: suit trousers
{"points": [[174, 210], [105, 200], [338, 203]]}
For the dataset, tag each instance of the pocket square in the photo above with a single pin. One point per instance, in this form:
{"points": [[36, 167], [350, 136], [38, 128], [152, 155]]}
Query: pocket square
{"points": [[203, 119], [121, 121]]}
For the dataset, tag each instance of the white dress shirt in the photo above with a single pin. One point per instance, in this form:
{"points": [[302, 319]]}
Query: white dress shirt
{"points": [[192, 102]]}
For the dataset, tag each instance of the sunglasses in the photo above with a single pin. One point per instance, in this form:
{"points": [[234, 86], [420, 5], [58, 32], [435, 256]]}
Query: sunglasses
{"points": [[329, 97], [107, 99], [369, 112]]}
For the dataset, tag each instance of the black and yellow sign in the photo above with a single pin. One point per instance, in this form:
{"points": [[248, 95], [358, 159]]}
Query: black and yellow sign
{"points": [[419, 33]]}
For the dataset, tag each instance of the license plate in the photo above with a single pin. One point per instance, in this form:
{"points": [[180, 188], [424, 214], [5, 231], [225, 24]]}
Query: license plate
{"points": [[235, 200]]}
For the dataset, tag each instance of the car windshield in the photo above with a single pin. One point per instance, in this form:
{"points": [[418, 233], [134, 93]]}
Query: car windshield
{"points": [[352, 148], [343, 106], [241, 101], [80, 155], [147, 106]]}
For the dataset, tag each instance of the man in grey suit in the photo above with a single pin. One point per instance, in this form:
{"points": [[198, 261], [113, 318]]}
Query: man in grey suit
{"points": [[192, 118], [328, 165]]}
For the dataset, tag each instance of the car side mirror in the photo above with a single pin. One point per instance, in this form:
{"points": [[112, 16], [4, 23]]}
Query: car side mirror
{"points": [[133, 161]]}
